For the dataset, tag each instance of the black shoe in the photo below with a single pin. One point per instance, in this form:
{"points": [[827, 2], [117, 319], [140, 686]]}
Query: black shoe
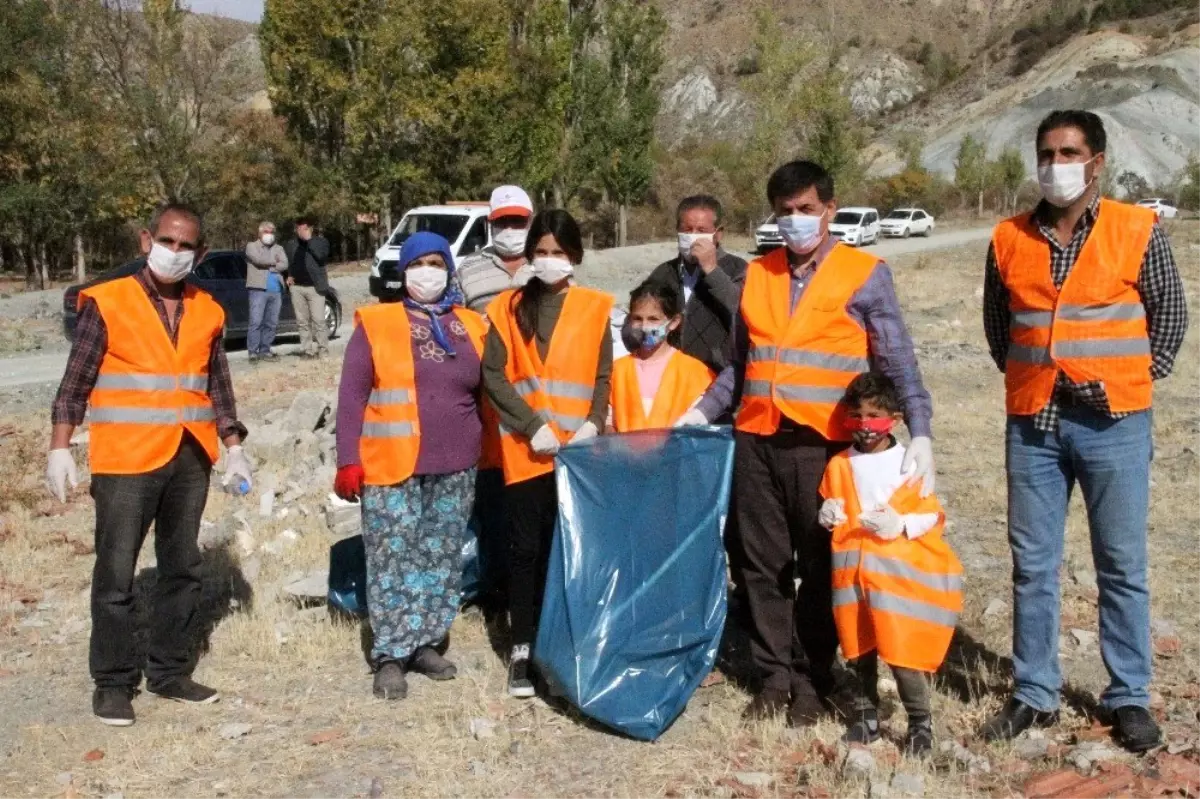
{"points": [[389, 680], [766, 704], [520, 684], [1135, 728], [918, 741], [184, 689], [114, 706], [807, 709], [427, 661], [865, 729], [1014, 719]]}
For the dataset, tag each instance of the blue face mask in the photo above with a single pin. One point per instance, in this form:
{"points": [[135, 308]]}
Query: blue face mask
{"points": [[644, 338]]}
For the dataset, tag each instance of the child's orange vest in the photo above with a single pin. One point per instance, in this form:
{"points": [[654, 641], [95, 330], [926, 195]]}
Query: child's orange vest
{"points": [[683, 382]]}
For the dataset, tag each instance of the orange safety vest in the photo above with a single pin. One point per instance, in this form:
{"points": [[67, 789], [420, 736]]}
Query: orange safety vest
{"points": [[391, 436], [1094, 328], [150, 390], [683, 382], [800, 363], [560, 388], [901, 598]]}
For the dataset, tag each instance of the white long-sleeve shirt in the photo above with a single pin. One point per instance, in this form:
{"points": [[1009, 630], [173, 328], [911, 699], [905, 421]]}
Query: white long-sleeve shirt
{"points": [[876, 478]]}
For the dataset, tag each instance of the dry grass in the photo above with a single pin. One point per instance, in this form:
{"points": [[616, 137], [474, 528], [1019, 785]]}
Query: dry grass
{"points": [[315, 680]]}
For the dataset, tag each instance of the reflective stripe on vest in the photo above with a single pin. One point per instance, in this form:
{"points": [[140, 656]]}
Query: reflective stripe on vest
{"points": [[557, 388], [894, 567], [119, 415], [893, 603], [817, 360], [388, 430], [140, 382]]}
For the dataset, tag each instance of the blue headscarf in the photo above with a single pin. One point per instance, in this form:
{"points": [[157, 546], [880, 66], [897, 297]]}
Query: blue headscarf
{"points": [[424, 243]]}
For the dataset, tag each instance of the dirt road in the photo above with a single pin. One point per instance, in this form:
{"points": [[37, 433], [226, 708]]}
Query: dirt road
{"points": [[617, 270]]}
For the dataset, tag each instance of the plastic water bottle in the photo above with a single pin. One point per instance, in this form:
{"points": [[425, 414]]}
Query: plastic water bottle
{"points": [[241, 487]]}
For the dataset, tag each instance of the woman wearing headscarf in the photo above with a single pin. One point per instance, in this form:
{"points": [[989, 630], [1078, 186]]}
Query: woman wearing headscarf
{"points": [[546, 369], [408, 439]]}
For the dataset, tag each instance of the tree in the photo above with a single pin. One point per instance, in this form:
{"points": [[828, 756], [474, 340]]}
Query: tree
{"points": [[834, 137], [1189, 184], [1010, 177], [971, 171], [910, 148], [1133, 185]]}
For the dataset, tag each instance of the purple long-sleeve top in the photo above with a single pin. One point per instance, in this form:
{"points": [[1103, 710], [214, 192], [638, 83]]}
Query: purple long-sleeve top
{"points": [[877, 309], [447, 397]]}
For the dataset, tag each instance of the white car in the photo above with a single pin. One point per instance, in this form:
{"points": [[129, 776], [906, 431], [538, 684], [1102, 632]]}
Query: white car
{"points": [[905, 222], [464, 225], [855, 226], [767, 236], [1160, 206]]}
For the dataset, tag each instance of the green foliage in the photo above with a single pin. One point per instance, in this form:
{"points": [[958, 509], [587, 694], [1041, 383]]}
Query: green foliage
{"points": [[910, 148], [1189, 185], [972, 173], [1009, 177], [1133, 185], [1116, 10], [1061, 20]]}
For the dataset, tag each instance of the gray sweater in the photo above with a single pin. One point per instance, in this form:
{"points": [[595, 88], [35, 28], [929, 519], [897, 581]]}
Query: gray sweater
{"points": [[263, 259]]}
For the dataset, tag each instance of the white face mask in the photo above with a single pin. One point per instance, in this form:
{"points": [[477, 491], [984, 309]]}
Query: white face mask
{"points": [[425, 283], [686, 240], [268, 239], [510, 241], [551, 270], [168, 266], [802, 232], [1063, 184]]}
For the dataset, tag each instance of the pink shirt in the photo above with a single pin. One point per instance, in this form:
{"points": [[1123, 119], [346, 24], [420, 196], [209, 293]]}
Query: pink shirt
{"points": [[650, 373]]}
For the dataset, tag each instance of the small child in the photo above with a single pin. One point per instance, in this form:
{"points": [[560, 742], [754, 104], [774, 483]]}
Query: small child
{"points": [[897, 585], [655, 384]]}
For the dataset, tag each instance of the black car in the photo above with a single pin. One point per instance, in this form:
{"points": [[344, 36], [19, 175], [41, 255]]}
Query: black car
{"points": [[222, 274]]}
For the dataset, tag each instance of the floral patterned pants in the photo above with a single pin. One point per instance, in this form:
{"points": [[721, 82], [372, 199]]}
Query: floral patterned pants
{"points": [[414, 532]]}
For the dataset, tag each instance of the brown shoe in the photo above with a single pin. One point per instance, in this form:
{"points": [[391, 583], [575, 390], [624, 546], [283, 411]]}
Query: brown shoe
{"points": [[766, 704], [806, 710]]}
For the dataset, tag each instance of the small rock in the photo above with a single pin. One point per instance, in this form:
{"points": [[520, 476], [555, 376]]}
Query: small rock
{"points": [[33, 621], [250, 569], [234, 730], [283, 632], [859, 763], [514, 748], [753, 779], [1084, 578], [973, 763], [1031, 748], [266, 504], [1084, 638], [312, 586], [477, 768], [483, 728], [995, 608], [1162, 627], [376, 790], [64, 778], [887, 685], [907, 785], [1090, 752]]}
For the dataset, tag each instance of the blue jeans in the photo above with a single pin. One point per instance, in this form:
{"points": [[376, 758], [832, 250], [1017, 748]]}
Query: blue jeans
{"points": [[1110, 459], [264, 318]]}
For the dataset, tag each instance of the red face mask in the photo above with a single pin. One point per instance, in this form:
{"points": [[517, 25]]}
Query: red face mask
{"points": [[879, 427]]}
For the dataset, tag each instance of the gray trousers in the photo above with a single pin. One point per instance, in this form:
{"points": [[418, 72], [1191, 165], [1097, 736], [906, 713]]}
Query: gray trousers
{"points": [[310, 318]]}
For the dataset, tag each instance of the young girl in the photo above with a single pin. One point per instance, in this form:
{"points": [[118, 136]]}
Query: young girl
{"points": [[655, 384], [546, 369], [897, 586]]}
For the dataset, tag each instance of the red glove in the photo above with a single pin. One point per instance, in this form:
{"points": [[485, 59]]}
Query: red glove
{"points": [[349, 482]]}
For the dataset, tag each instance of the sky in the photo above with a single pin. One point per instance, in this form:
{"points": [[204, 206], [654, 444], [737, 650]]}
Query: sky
{"points": [[250, 10]]}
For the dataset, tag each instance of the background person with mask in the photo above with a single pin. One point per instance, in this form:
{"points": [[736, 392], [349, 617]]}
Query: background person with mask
{"points": [[814, 314], [546, 369], [264, 282], [497, 268], [148, 359], [307, 254], [707, 278], [1083, 309], [408, 437]]}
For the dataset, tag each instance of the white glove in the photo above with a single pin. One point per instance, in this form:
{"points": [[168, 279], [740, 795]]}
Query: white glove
{"points": [[237, 466], [60, 470], [584, 433], [832, 513], [884, 522], [918, 464], [544, 442], [693, 418]]}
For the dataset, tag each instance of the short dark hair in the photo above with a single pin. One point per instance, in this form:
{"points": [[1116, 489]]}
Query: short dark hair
{"points": [[795, 177], [1090, 125], [875, 387], [183, 209], [306, 219], [705, 202]]}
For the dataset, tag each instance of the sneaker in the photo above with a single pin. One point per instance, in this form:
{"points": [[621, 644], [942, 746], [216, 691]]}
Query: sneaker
{"points": [[269, 355], [184, 689], [864, 729], [520, 684], [389, 681], [252, 358], [114, 706], [426, 660], [918, 740], [1135, 728]]}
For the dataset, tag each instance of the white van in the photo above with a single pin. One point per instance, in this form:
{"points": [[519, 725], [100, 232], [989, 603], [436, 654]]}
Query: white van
{"points": [[855, 226], [464, 225]]}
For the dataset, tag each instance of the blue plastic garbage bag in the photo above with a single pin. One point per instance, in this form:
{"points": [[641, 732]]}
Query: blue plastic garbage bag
{"points": [[635, 591], [348, 573]]}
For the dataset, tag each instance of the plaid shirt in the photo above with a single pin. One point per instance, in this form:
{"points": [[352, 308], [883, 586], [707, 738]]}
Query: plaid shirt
{"points": [[1159, 285], [87, 352]]}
